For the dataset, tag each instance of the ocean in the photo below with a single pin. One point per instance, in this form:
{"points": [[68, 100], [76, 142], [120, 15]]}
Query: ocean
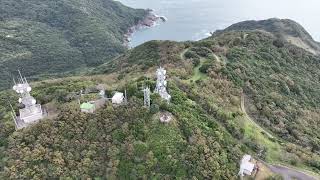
{"points": [[195, 19]]}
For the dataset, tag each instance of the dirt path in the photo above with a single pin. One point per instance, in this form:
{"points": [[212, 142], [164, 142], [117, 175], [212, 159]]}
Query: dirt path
{"points": [[197, 75], [243, 109], [186, 50], [217, 57], [183, 53]]}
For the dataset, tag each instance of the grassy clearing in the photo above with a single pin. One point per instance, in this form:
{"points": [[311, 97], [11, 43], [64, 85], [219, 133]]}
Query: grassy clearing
{"points": [[274, 149], [197, 74]]}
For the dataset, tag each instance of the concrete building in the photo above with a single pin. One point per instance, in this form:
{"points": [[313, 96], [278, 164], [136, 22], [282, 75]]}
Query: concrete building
{"points": [[118, 98], [246, 167], [88, 107]]}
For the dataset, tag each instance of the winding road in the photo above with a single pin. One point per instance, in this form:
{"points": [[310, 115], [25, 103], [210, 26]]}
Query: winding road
{"points": [[289, 174], [243, 109], [286, 172]]}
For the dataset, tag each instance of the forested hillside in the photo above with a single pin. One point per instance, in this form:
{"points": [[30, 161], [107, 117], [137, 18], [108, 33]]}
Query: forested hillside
{"points": [[126, 142], [235, 93], [43, 37]]}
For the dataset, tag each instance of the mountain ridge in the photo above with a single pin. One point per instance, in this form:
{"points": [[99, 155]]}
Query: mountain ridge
{"points": [[284, 29]]}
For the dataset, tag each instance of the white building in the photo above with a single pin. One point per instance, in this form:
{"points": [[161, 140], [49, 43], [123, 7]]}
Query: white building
{"points": [[246, 167], [118, 98], [88, 107]]}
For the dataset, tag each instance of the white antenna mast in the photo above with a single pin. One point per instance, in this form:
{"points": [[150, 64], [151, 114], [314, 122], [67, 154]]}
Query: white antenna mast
{"points": [[14, 81], [14, 116], [21, 78], [125, 96], [25, 79]]}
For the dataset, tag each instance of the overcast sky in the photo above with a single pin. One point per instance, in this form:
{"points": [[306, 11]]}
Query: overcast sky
{"points": [[306, 12]]}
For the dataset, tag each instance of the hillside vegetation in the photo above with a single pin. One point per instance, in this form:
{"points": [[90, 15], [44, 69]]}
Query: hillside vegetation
{"points": [[44, 37], [210, 81]]}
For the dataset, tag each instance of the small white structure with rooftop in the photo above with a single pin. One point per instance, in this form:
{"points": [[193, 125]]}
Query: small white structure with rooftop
{"points": [[118, 98], [246, 167], [88, 107], [161, 87], [92, 106], [32, 112]]}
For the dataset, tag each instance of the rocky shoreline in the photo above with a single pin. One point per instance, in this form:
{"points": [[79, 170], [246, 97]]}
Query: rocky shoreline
{"points": [[149, 21]]}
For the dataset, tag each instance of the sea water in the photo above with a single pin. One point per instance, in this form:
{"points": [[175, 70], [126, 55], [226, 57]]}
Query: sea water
{"points": [[195, 19]]}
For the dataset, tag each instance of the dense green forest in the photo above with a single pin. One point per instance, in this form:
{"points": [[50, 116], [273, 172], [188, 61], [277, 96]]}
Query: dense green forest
{"points": [[281, 86], [124, 142], [210, 81], [44, 37]]}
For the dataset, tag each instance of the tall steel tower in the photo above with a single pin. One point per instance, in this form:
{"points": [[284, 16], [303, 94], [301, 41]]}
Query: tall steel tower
{"points": [[32, 112], [161, 87], [146, 93]]}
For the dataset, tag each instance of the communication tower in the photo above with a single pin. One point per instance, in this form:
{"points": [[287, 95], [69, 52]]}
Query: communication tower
{"points": [[31, 112], [161, 87], [146, 93]]}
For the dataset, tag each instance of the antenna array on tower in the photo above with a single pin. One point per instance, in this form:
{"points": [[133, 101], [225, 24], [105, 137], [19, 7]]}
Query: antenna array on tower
{"points": [[161, 87], [32, 112]]}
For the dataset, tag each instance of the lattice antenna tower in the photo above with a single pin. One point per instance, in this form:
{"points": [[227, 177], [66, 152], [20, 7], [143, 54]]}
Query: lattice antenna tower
{"points": [[146, 95], [14, 116], [24, 89]]}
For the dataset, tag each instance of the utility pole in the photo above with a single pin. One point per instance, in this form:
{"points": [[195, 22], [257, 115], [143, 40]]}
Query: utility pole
{"points": [[125, 97]]}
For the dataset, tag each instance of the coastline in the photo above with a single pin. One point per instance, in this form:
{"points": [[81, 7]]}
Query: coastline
{"points": [[148, 21]]}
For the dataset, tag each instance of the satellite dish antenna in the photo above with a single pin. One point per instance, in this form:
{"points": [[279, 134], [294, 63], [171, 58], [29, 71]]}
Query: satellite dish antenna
{"points": [[29, 89], [20, 100], [33, 101]]}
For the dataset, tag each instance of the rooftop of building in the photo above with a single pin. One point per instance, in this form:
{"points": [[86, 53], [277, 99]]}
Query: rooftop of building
{"points": [[87, 106]]}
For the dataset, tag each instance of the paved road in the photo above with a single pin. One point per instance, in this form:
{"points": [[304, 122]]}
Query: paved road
{"points": [[288, 173]]}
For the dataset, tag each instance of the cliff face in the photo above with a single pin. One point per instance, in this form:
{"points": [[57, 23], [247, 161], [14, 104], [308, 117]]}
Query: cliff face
{"points": [[44, 37], [284, 29]]}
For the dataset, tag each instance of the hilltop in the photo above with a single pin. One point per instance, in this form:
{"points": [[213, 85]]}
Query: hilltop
{"points": [[45, 38], [237, 92], [284, 29]]}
